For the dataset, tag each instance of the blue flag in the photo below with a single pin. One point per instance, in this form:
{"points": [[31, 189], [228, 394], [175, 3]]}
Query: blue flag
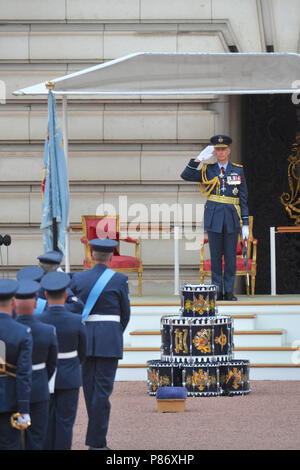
{"points": [[55, 186]]}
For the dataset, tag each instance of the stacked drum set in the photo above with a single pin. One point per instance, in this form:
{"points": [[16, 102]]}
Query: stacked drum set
{"points": [[197, 349]]}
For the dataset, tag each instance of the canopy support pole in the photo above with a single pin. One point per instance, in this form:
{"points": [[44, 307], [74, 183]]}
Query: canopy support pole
{"points": [[273, 260], [176, 260], [66, 148]]}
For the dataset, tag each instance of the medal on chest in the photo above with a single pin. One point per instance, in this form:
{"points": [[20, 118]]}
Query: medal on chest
{"points": [[234, 180], [222, 180]]}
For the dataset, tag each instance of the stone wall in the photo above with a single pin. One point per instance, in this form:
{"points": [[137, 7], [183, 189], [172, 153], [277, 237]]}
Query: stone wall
{"points": [[119, 146]]}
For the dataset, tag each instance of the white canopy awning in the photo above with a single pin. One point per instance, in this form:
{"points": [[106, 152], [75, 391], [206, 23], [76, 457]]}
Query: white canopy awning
{"points": [[182, 73]]}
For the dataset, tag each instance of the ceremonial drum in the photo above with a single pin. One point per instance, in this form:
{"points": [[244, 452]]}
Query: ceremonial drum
{"points": [[198, 300], [163, 374], [189, 339], [201, 378], [234, 377]]}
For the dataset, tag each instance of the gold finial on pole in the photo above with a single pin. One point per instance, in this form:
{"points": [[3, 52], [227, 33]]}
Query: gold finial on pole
{"points": [[50, 85]]}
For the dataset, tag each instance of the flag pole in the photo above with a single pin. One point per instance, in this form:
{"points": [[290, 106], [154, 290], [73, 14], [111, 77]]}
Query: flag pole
{"points": [[66, 149]]}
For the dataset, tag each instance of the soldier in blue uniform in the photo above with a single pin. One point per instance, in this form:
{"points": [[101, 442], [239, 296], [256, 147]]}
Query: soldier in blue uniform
{"points": [[33, 273], [106, 314], [226, 210], [15, 368], [44, 357], [72, 345], [50, 262]]}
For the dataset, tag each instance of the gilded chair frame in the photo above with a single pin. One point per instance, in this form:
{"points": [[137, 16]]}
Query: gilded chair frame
{"points": [[88, 253]]}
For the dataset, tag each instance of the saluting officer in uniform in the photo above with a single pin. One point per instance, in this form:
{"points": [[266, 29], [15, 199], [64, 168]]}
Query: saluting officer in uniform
{"points": [[15, 368], [44, 358], [106, 314], [72, 345], [226, 209]]}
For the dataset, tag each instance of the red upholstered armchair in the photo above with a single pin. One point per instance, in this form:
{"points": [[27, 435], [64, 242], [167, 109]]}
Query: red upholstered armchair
{"points": [[205, 264], [105, 226]]}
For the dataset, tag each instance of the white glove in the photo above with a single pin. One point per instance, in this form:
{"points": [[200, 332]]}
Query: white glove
{"points": [[245, 231], [24, 419], [206, 154]]}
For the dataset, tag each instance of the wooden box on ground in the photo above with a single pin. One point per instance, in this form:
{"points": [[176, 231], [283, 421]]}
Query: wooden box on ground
{"points": [[171, 399], [176, 405]]}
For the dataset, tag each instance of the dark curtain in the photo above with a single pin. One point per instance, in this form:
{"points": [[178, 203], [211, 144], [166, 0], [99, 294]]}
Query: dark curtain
{"points": [[269, 128]]}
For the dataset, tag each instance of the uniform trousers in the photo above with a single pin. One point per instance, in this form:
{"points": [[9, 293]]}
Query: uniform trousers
{"points": [[10, 438], [36, 433], [98, 375], [62, 414], [219, 244]]}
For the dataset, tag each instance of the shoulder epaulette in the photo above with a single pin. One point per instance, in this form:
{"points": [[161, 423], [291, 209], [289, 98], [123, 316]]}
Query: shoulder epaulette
{"points": [[205, 165], [237, 164]]}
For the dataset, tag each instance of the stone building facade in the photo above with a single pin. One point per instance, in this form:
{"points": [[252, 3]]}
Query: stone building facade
{"points": [[120, 146]]}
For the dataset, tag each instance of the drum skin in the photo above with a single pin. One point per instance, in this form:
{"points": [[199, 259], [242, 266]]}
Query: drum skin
{"points": [[163, 374], [206, 339], [234, 377], [200, 378], [198, 300]]}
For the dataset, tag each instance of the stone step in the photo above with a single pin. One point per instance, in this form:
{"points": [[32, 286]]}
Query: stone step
{"points": [[138, 372], [150, 319], [256, 355]]}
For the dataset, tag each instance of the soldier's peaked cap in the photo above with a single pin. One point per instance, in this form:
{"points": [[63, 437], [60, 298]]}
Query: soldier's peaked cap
{"points": [[51, 257], [103, 245], [56, 281], [27, 289], [30, 273], [8, 288], [221, 141]]}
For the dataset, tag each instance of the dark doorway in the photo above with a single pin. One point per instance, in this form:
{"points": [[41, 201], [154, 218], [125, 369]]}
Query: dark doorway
{"points": [[269, 129]]}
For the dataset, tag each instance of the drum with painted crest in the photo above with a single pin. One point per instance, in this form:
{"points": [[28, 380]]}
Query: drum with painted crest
{"points": [[163, 374], [201, 378], [234, 377], [198, 300], [189, 339]]}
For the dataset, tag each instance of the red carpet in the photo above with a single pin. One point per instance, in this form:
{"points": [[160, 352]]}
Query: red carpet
{"points": [[267, 418]]}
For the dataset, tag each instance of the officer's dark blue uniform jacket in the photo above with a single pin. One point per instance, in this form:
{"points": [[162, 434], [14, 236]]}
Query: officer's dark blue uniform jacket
{"points": [[45, 349], [219, 215], [105, 339], [71, 336], [15, 391]]}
